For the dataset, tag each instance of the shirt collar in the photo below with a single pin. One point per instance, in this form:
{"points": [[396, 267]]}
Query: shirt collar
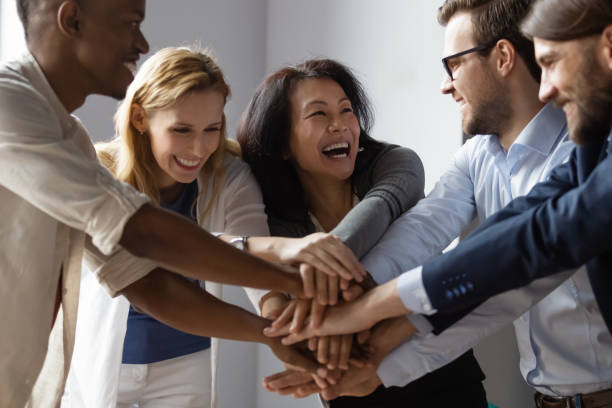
{"points": [[542, 132], [33, 72]]}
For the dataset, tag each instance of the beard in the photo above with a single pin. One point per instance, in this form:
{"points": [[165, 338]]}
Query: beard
{"points": [[490, 110], [593, 98]]}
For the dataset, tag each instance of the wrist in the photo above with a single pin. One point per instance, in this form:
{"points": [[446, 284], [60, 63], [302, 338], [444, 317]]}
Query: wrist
{"points": [[383, 302], [272, 301]]}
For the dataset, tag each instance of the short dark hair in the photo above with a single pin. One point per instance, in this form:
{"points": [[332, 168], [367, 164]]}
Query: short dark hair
{"points": [[493, 20], [563, 20], [264, 131]]}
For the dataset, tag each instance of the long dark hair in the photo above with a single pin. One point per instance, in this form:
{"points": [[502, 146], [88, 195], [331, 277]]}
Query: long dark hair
{"points": [[265, 127]]}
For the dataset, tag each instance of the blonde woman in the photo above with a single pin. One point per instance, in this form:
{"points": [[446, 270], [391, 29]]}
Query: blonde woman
{"points": [[171, 145]]}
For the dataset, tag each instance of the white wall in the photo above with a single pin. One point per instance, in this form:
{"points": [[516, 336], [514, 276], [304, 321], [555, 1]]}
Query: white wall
{"points": [[12, 41], [394, 47]]}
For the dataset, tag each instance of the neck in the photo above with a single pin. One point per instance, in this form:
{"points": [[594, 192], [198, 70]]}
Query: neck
{"points": [[62, 74], [328, 200], [525, 105], [171, 193]]}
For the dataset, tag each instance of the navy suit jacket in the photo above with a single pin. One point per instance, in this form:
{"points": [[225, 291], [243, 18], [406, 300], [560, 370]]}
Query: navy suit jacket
{"points": [[562, 223]]}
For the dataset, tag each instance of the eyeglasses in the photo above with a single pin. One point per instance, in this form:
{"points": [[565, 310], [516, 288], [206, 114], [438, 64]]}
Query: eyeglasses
{"points": [[459, 54]]}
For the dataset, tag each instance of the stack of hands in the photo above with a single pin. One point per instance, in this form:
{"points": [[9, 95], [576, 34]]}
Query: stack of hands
{"points": [[336, 323]]}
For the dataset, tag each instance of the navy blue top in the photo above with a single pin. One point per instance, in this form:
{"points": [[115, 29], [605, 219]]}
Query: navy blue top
{"points": [[148, 340]]}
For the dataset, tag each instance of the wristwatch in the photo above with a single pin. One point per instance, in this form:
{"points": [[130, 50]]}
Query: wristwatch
{"points": [[240, 242]]}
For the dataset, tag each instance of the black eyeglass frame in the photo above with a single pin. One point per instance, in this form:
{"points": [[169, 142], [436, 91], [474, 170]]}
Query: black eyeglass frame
{"points": [[459, 54]]}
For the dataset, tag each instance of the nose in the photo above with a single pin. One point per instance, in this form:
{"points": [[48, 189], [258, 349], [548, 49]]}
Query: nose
{"points": [[141, 43], [547, 89], [337, 124], [446, 86]]}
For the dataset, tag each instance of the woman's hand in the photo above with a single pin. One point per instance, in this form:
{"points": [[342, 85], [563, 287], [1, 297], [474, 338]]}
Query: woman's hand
{"points": [[324, 288], [322, 251]]}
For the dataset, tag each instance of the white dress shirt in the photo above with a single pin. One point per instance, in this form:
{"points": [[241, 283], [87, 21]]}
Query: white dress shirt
{"points": [[564, 344], [53, 192]]}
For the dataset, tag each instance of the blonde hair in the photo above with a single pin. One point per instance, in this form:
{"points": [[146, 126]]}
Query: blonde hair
{"points": [[162, 80]]}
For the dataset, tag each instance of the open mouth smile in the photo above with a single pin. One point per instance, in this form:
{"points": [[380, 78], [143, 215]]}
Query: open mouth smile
{"points": [[337, 150]]}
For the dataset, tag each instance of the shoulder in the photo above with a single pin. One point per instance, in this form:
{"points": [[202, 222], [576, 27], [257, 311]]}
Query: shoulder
{"points": [[385, 157], [236, 169], [20, 102]]}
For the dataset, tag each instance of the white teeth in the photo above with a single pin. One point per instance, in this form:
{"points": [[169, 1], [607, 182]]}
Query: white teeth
{"points": [[343, 145], [130, 65], [187, 163], [337, 156]]}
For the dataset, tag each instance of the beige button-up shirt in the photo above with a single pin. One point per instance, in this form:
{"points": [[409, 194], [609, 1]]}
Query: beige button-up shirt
{"points": [[52, 193]]}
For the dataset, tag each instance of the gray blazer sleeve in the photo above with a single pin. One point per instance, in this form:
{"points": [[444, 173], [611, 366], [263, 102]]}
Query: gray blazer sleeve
{"points": [[388, 187]]}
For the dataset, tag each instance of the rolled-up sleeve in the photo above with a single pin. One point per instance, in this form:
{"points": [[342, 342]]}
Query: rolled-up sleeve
{"points": [[116, 271], [50, 172]]}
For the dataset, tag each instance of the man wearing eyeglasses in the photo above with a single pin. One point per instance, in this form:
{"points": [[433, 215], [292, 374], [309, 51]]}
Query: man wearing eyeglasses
{"points": [[565, 344], [491, 72]]}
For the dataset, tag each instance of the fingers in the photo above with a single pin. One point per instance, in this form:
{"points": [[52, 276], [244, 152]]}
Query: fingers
{"points": [[317, 312], [363, 336], [344, 284], [334, 352], [306, 390], [332, 290], [307, 274], [293, 358], [323, 350], [345, 351], [286, 315], [287, 378], [312, 344], [301, 310], [352, 293], [321, 287], [327, 253]]}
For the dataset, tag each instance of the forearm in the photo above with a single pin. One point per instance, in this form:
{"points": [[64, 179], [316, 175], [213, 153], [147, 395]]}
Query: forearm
{"points": [[185, 248], [268, 248], [175, 301]]}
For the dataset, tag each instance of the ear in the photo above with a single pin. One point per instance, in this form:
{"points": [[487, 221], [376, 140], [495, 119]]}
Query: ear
{"points": [[138, 117], [69, 18], [506, 59], [606, 39]]}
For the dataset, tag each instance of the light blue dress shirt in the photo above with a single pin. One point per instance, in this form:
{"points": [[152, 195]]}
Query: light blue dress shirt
{"points": [[564, 344]]}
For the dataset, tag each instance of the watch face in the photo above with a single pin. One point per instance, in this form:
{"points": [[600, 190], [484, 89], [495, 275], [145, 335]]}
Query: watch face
{"points": [[239, 243]]}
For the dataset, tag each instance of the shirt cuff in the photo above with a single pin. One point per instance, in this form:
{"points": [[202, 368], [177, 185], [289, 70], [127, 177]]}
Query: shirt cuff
{"points": [[121, 270], [419, 321], [402, 366], [109, 219], [412, 292]]}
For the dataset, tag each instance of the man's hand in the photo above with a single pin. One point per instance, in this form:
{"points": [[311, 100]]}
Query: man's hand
{"points": [[358, 380], [293, 357], [379, 303]]}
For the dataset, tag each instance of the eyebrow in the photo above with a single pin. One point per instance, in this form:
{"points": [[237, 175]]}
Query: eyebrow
{"points": [[546, 55], [191, 125], [317, 102]]}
